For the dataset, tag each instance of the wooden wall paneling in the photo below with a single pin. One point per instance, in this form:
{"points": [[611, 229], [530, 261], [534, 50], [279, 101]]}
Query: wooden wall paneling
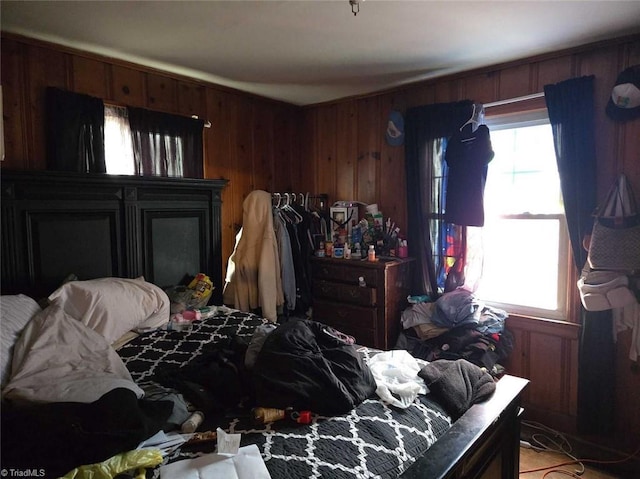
{"points": [[604, 64], [216, 138], [516, 81], [127, 86], [392, 194], [217, 153], [370, 136], [90, 76], [481, 88], [446, 91], [191, 99], [630, 153], [327, 167], [288, 137], [161, 92], [346, 149], [45, 67], [547, 377], [282, 137], [423, 94], [574, 345], [546, 353], [301, 167], [219, 163], [517, 362], [262, 147], [13, 106], [304, 167], [632, 49], [242, 153], [552, 71]]}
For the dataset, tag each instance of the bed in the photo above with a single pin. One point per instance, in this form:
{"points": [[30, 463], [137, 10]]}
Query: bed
{"points": [[164, 229]]}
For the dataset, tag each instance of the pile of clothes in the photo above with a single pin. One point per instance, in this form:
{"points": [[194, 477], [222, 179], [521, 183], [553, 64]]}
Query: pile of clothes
{"points": [[457, 326]]}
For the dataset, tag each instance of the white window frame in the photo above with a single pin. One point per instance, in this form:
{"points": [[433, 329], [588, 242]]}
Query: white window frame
{"points": [[520, 120]]}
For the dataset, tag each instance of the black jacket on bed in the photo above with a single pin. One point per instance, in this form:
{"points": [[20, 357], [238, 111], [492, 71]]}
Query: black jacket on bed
{"points": [[304, 365]]}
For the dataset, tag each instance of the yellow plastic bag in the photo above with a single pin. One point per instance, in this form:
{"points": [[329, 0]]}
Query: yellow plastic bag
{"points": [[202, 286], [139, 459]]}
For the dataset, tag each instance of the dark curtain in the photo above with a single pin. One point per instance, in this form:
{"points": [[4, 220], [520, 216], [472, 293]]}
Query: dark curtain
{"points": [[165, 144], [75, 132], [424, 125], [571, 113]]}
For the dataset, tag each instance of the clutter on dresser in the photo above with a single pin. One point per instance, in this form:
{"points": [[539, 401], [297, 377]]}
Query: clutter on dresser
{"points": [[359, 235]]}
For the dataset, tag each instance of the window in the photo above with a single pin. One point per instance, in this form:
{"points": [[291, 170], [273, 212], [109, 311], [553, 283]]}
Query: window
{"points": [[150, 143], [118, 146], [524, 243]]}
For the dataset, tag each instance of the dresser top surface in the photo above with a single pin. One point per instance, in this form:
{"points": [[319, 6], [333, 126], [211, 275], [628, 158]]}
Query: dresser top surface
{"points": [[381, 262]]}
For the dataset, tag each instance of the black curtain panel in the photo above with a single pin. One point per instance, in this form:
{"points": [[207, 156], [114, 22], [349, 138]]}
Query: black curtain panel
{"points": [[571, 113], [75, 132], [165, 144], [423, 125]]}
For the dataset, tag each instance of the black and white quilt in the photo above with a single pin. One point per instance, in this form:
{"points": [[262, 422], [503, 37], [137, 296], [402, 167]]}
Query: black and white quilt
{"points": [[372, 441]]}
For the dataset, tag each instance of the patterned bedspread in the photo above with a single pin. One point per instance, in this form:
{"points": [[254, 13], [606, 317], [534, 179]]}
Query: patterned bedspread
{"points": [[371, 441]]}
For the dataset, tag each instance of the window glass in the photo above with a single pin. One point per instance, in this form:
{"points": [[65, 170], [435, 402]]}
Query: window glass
{"points": [[523, 244], [523, 176]]}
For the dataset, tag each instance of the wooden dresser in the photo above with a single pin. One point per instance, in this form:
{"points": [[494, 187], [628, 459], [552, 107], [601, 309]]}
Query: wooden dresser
{"points": [[370, 313]]}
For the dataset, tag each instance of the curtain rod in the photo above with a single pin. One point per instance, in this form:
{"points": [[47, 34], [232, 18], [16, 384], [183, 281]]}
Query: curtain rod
{"points": [[207, 123], [513, 100]]}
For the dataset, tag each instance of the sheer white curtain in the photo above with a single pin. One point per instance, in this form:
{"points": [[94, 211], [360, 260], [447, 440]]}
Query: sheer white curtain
{"points": [[118, 141]]}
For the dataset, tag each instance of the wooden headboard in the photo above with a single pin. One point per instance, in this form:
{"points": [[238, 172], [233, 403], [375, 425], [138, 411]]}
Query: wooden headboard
{"points": [[94, 225]]}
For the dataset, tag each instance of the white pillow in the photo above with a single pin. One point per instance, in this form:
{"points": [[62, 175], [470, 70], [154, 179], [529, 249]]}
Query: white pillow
{"points": [[113, 306], [15, 312]]}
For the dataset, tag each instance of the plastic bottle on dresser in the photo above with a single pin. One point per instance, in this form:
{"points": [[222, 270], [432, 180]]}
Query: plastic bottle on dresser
{"points": [[371, 256]]}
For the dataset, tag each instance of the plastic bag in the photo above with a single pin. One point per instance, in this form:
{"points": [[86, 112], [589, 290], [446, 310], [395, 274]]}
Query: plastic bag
{"points": [[194, 296], [139, 459]]}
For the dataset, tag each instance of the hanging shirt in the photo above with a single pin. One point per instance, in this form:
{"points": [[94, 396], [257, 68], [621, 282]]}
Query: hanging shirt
{"points": [[468, 155]]}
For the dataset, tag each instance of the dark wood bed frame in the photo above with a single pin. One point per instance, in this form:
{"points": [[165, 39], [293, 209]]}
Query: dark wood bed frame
{"points": [[55, 224]]}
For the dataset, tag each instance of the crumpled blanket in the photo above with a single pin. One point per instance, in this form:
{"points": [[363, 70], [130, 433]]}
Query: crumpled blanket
{"points": [[57, 359], [458, 384]]}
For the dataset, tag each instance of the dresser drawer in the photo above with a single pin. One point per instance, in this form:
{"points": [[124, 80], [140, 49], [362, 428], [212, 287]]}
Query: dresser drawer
{"points": [[349, 272], [355, 321], [371, 313], [341, 292], [358, 316]]}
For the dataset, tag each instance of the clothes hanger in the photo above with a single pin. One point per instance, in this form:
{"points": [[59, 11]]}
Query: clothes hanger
{"points": [[279, 198], [476, 117], [290, 212]]}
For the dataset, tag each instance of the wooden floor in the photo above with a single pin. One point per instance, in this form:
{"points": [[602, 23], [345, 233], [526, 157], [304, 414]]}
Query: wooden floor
{"points": [[531, 459]]}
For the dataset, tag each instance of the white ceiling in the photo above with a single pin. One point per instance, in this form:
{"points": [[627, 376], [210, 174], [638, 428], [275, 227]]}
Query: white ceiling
{"points": [[311, 51]]}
